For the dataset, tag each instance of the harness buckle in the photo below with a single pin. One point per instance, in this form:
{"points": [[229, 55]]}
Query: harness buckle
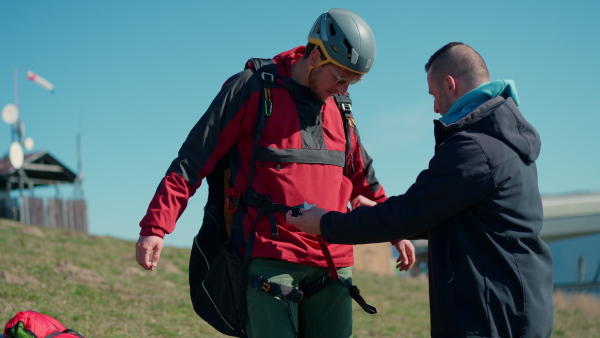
{"points": [[351, 122], [266, 287], [296, 209], [232, 199], [267, 76], [346, 106]]}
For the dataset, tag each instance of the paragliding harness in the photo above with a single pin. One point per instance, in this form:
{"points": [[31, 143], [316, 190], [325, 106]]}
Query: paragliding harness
{"points": [[218, 275]]}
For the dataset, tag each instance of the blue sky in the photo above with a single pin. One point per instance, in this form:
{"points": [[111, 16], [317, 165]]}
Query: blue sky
{"points": [[132, 77]]}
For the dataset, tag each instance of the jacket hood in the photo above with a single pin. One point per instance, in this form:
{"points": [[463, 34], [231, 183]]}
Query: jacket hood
{"points": [[498, 117], [285, 60]]}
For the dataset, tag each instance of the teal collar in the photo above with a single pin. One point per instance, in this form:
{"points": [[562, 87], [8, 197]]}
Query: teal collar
{"points": [[476, 97]]}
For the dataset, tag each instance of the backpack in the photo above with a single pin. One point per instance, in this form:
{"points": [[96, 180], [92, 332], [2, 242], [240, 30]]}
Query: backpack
{"points": [[217, 270], [31, 324]]}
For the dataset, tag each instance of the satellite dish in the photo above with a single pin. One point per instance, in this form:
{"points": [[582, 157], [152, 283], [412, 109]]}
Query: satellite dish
{"points": [[10, 113], [28, 142], [15, 155]]}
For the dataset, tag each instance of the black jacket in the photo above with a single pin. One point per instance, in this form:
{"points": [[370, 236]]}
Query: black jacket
{"points": [[490, 274]]}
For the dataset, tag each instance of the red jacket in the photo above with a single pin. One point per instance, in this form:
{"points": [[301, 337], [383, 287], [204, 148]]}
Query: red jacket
{"points": [[301, 152]]}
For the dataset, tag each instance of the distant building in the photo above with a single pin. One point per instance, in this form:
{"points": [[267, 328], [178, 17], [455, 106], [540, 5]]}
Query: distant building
{"points": [[572, 230], [570, 215], [17, 193]]}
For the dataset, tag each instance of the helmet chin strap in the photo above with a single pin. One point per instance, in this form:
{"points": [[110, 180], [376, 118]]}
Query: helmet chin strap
{"points": [[310, 68]]}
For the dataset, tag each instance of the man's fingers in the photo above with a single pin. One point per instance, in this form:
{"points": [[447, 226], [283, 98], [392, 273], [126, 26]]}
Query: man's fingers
{"points": [[147, 251], [403, 256], [142, 258], [156, 256], [289, 218], [403, 262]]}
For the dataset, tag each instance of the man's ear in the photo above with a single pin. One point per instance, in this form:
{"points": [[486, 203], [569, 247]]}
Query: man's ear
{"points": [[449, 85], [314, 57]]}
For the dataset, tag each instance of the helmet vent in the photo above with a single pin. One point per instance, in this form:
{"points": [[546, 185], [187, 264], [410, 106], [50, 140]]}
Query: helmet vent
{"points": [[349, 49], [317, 27], [332, 31]]}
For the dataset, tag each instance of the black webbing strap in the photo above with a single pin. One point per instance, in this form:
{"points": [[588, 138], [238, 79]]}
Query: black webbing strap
{"points": [[283, 291], [355, 294], [344, 104], [260, 283], [316, 285], [54, 334], [265, 202], [265, 206], [69, 331], [266, 70]]}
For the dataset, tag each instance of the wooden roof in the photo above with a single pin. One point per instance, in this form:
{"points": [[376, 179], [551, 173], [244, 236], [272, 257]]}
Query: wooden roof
{"points": [[41, 168]]}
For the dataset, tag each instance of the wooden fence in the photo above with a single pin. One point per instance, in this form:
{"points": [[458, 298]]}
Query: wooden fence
{"points": [[51, 212]]}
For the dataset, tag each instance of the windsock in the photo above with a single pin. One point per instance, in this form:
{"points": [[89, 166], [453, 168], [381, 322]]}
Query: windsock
{"points": [[40, 80]]}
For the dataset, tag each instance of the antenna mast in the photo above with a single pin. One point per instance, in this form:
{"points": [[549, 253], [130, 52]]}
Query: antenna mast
{"points": [[78, 184]]}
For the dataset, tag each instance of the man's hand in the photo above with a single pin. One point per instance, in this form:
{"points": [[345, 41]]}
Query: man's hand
{"points": [[407, 254], [361, 200], [144, 246], [309, 221]]}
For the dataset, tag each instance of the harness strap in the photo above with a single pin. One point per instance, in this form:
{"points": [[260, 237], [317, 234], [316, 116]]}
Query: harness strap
{"points": [[344, 104], [328, 259], [264, 202], [354, 290], [277, 289], [267, 72], [258, 282], [69, 331], [316, 285], [265, 206], [355, 294]]}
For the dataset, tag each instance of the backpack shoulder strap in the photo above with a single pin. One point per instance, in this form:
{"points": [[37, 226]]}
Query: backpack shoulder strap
{"points": [[266, 72], [265, 69], [344, 104]]}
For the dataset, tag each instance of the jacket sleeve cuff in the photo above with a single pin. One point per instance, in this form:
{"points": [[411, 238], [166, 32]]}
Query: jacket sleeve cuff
{"points": [[152, 231]]}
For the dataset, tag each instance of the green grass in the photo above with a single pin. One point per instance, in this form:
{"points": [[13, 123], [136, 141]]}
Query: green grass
{"points": [[93, 285]]}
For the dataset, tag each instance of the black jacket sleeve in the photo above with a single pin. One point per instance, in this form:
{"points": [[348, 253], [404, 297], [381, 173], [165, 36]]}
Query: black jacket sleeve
{"points": [[458, 177]]}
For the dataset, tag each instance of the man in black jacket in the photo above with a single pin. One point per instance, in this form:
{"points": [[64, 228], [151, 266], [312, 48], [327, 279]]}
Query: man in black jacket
{"points": [[478, 204]]}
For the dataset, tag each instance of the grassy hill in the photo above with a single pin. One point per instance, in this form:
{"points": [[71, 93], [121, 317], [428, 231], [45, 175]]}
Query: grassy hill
{"points": [[93, 285]]}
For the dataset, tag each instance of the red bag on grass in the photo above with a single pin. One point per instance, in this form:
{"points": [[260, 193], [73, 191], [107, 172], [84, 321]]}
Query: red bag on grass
{"points": [[31, 324]]}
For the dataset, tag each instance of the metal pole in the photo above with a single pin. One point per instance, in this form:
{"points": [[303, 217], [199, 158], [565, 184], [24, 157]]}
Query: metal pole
{"points": [[16, 88], [581, 271]]}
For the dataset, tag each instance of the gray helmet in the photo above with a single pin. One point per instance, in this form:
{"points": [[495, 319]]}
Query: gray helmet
{"points": [[345, 39]]}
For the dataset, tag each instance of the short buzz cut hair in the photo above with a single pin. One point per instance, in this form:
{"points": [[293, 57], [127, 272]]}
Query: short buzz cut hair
{"points": [[460, 61]]}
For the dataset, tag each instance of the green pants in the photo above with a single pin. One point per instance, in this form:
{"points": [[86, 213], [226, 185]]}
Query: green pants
{"points": [[327, 313]]}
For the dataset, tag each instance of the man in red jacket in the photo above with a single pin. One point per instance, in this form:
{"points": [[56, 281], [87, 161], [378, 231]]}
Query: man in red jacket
{"points": [[301, 156]]}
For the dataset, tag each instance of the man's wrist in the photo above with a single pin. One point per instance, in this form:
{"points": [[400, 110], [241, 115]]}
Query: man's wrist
{"points": [[152, 231]]}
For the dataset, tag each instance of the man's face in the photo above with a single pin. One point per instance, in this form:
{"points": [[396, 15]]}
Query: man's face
{"points": [[441, 97], [329, 79]]}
